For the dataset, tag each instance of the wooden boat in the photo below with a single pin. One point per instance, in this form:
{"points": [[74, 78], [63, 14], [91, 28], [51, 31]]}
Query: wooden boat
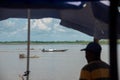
{"points": [[54, 50], [24, 56]]}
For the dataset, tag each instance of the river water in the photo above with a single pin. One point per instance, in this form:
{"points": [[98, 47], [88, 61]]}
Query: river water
{"points": [[49, 65]]}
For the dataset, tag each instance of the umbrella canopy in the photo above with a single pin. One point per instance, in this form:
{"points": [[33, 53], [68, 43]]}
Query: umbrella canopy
{"points": [[91, 18], [84, 21]]}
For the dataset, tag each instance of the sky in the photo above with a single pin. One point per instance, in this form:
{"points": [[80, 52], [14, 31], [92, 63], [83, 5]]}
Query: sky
{"points": [[46, 29]]}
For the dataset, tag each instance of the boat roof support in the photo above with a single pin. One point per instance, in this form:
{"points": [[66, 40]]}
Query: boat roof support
{"points": [[113, 40], [28, 47]]}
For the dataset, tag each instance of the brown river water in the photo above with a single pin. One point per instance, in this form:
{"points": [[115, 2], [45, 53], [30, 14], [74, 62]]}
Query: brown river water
{"points": [[49, 65]]}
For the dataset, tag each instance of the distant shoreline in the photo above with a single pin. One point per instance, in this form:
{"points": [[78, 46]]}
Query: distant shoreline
{"points": [[54, 42], [45, 42]]}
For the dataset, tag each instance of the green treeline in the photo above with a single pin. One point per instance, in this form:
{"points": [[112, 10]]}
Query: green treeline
{"points": [[43, 42], [55, 42]]}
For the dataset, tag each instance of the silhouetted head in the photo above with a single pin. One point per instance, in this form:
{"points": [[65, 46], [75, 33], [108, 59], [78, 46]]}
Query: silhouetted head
{"points": [[93, 51]]}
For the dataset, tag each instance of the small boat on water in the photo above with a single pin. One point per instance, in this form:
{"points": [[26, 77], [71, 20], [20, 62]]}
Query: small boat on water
{"points": [[54, 50], [21, 56]]}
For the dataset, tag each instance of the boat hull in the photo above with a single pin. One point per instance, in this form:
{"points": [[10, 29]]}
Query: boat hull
{"points": [[63, 50]]}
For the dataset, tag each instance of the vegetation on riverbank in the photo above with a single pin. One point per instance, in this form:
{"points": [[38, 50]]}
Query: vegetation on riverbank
{"points": [[55, 42], [45, 42], [50, 42]]}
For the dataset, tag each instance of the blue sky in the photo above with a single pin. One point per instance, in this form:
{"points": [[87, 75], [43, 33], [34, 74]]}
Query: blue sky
{"points": [[46, 29]]}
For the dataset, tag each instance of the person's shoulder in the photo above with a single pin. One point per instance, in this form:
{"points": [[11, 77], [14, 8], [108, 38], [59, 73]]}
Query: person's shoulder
{"points": [[104, 64], [95, 65], [87, 67]]}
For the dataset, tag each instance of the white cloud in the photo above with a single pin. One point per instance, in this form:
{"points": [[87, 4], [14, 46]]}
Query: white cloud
{"points": [[25, 26], [59, 28], [13, 33], [38, 24], [47, 20], [8, 23], [45, 24]]}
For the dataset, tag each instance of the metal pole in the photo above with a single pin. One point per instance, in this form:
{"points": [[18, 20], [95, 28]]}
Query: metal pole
{"points": [[113, 40], [28, 47]]}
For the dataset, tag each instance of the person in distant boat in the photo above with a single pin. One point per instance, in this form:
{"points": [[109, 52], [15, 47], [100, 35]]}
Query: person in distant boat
{"points": [[43, 49], [96, 69]]}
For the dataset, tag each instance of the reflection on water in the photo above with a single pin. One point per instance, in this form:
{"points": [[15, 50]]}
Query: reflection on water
{"points": [[50, 65]]}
